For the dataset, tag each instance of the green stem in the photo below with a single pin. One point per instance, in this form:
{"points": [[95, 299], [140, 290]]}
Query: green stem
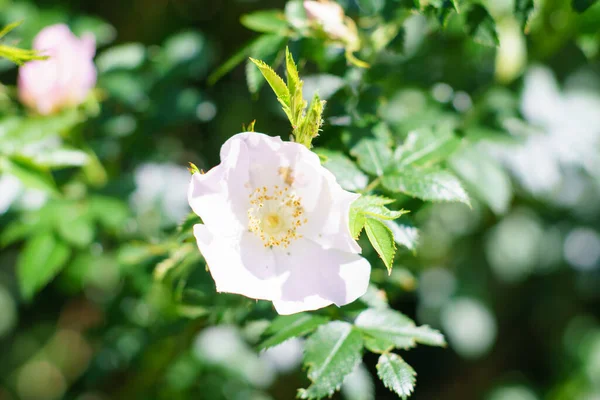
{"points": [[372, 186]]}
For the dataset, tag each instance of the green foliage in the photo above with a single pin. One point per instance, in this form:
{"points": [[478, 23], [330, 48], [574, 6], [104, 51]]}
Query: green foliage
{"points": [[271, 21], [382, 239], [373, 156], [430, 184], [43, 257], [331, 353], [582, 5], [289, 326], [386, 329], [346, 173], [481, 26], [396, 374], [15, 54]]}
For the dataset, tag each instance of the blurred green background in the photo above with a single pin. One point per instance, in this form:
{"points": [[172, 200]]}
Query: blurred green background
{"points": [[513, 282]]}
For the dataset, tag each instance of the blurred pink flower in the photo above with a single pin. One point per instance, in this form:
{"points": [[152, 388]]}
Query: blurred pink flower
{"points": [[276, 226], [63, 80], [330, 16]]}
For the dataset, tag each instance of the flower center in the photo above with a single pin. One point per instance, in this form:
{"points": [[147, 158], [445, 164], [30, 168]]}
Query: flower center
{"points": [[275, 214]]}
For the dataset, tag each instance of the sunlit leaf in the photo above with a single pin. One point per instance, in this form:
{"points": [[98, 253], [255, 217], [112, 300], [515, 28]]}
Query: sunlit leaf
{"points": [[289, 326], [41, 259], [396, 374], [330, 354], [373, 156], [427, 184], [382, 240]]}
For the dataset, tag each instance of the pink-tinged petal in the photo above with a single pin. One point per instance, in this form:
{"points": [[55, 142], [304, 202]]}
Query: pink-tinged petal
{"points": [[316, 277], [87, 45], [244, 266], [52, 37], [220, 196], [64, 79]]}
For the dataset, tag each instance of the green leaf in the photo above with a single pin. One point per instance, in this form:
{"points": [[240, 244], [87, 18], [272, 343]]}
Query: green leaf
{"points": [[41, 259], [373, 206], [404, 234], [272, 21], [61, 158], [373, 156], [289, 326], [311, 123], [346, 172], [389, 328], [9, 28], [330, 354], [109, 212], [297, 102], [29, 174], [274, 80], [382, 240], [481, 26], [485, 178], [523, 12], [357, 222], [237, 58], [582, 5], [396, 374], [427, 184], [266, 48], [128, 56], [425, 148]]}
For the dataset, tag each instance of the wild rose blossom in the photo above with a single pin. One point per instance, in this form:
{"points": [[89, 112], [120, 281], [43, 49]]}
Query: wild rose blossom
{"points": [[65, 78], [276, 226], [330, 16]]}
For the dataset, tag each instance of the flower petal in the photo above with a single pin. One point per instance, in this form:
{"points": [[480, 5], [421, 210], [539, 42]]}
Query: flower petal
{"points": [[243, 267], [317, 277], [220, 196]]}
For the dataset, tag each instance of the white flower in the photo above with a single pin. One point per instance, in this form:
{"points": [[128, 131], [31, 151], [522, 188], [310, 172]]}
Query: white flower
{"points": [[330, 16], [276, 226]]}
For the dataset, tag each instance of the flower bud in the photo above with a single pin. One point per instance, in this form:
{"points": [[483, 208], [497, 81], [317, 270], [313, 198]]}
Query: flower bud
{"points": [[65, 78], [330, 16]]}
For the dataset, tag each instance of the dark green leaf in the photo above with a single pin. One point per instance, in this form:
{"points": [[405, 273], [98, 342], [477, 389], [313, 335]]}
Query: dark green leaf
{"points": [[330, 354], [41, 259], [427, 184], [481, 26], [396, 374], [582, 5], [523, 12], [289, 326], [382, 240]]}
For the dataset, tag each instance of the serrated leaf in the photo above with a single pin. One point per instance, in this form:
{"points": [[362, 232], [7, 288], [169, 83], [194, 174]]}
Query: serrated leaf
{"points": [[41, 259], [274, 80], [427, 184], [271, 21], [373, 156], [289, 326], [396, 374], [425, 148], [311, 124], [345, 171], [582, 5], [297, 102], [382, 240], [404, 234], [389, 328], [481, 26], [357, 222], [266, 48], [373, 206], [330, 354]]}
